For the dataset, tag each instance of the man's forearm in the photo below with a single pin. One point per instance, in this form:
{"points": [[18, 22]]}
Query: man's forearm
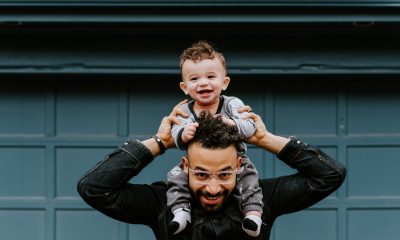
{"points": [[273, 143], [117, 168], [106, 188], [322, 172], [318, 176]]}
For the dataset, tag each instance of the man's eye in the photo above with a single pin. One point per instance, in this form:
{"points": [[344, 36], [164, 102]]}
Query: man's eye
{"points": [[224, 175], [201, 175]]}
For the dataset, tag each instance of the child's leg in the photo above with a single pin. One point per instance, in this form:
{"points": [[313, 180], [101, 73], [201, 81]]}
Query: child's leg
{"points": [[178, 199], [249, 196]]}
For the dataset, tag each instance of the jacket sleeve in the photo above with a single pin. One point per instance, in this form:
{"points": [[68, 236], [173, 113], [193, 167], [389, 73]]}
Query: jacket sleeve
{"points": [[318, 176], [246, 127], [105, 187]]}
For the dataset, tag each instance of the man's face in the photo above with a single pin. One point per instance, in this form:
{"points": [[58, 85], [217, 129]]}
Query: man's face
{"points": [[212, 192]]}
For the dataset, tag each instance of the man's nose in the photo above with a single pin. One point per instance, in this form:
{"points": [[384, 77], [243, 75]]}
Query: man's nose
{"points": [[213, 187]]}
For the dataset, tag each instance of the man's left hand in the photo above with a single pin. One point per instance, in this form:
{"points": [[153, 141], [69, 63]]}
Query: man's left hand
{"points": [[164, 131]]}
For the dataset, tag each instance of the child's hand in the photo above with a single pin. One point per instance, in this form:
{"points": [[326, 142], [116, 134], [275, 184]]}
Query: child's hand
{"points": [[188, 132]]}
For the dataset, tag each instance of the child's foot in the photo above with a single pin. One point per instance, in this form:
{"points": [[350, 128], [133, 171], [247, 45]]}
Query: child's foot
{"points": [[181, 219], [252, 225]]}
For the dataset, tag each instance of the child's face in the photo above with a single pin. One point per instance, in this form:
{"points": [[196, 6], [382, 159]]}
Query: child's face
{"points": [[204, 80]]}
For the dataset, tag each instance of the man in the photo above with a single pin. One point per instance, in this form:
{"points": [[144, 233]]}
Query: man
{"points": [[211, 164]]}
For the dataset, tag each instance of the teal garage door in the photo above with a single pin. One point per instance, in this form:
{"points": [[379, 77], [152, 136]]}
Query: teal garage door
{"points": [[52, 132]]}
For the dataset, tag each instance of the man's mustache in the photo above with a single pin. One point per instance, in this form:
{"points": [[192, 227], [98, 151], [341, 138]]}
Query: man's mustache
{"points": [[207, 194]]}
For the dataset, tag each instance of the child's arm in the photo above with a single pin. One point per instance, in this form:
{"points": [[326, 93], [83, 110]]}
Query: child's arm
{"points": [[188, 132], [184, 130], [247, 126]]}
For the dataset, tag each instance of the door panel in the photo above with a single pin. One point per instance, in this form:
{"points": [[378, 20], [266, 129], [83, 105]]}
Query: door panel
{"points": [[52, 133]]}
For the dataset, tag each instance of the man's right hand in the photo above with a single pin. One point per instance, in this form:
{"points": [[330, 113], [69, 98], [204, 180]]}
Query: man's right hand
{"points": [[265, 139], [164, 131], [261, 131]]}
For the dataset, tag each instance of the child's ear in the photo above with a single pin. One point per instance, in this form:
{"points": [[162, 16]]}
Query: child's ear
{"points": [[182, 85], [225, 84]]}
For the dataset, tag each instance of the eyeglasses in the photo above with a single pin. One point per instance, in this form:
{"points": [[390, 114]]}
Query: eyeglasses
{"points": [[204, 177]]}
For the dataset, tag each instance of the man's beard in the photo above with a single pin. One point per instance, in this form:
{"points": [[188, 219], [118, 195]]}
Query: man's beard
{"points": [[225, 194]]}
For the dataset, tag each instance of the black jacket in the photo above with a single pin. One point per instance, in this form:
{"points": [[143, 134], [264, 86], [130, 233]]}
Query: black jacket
{"points": [[105, 187]]}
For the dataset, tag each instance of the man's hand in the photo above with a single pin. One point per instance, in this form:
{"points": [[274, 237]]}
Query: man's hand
{"points": [[262, 137], [164, 131], [261, 131], [265, 139]]}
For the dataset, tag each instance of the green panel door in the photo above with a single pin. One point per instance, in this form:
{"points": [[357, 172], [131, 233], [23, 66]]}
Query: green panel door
{"points": [[52, 133]]}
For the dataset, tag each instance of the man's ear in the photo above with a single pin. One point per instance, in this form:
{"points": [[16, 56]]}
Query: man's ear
{"points": [[185, 163], [182, 85], [226, 82], [239, 161]]}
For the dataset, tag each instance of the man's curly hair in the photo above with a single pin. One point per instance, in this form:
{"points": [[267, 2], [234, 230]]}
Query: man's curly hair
{"points": [[213, 133], [199, 51]]}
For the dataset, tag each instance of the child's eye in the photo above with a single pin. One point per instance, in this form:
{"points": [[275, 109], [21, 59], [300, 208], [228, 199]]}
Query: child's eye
{"points": [[193, 79]]}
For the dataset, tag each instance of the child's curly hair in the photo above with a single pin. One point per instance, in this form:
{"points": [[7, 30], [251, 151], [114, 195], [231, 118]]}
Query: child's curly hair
{"points": [[199, 51], [212, 132]]}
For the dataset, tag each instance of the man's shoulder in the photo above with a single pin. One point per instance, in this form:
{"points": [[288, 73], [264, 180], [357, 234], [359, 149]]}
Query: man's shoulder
{"points": [[159, 189], [160, 184], [268, 185]]}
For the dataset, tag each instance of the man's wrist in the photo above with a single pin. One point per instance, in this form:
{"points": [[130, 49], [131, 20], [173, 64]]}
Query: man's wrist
{"points": [[160, 144], [273, 143], [291, 149]]}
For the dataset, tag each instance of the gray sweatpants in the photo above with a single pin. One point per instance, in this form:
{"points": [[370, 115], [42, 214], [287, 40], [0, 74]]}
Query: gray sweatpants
{"points": [[248, 194]]}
